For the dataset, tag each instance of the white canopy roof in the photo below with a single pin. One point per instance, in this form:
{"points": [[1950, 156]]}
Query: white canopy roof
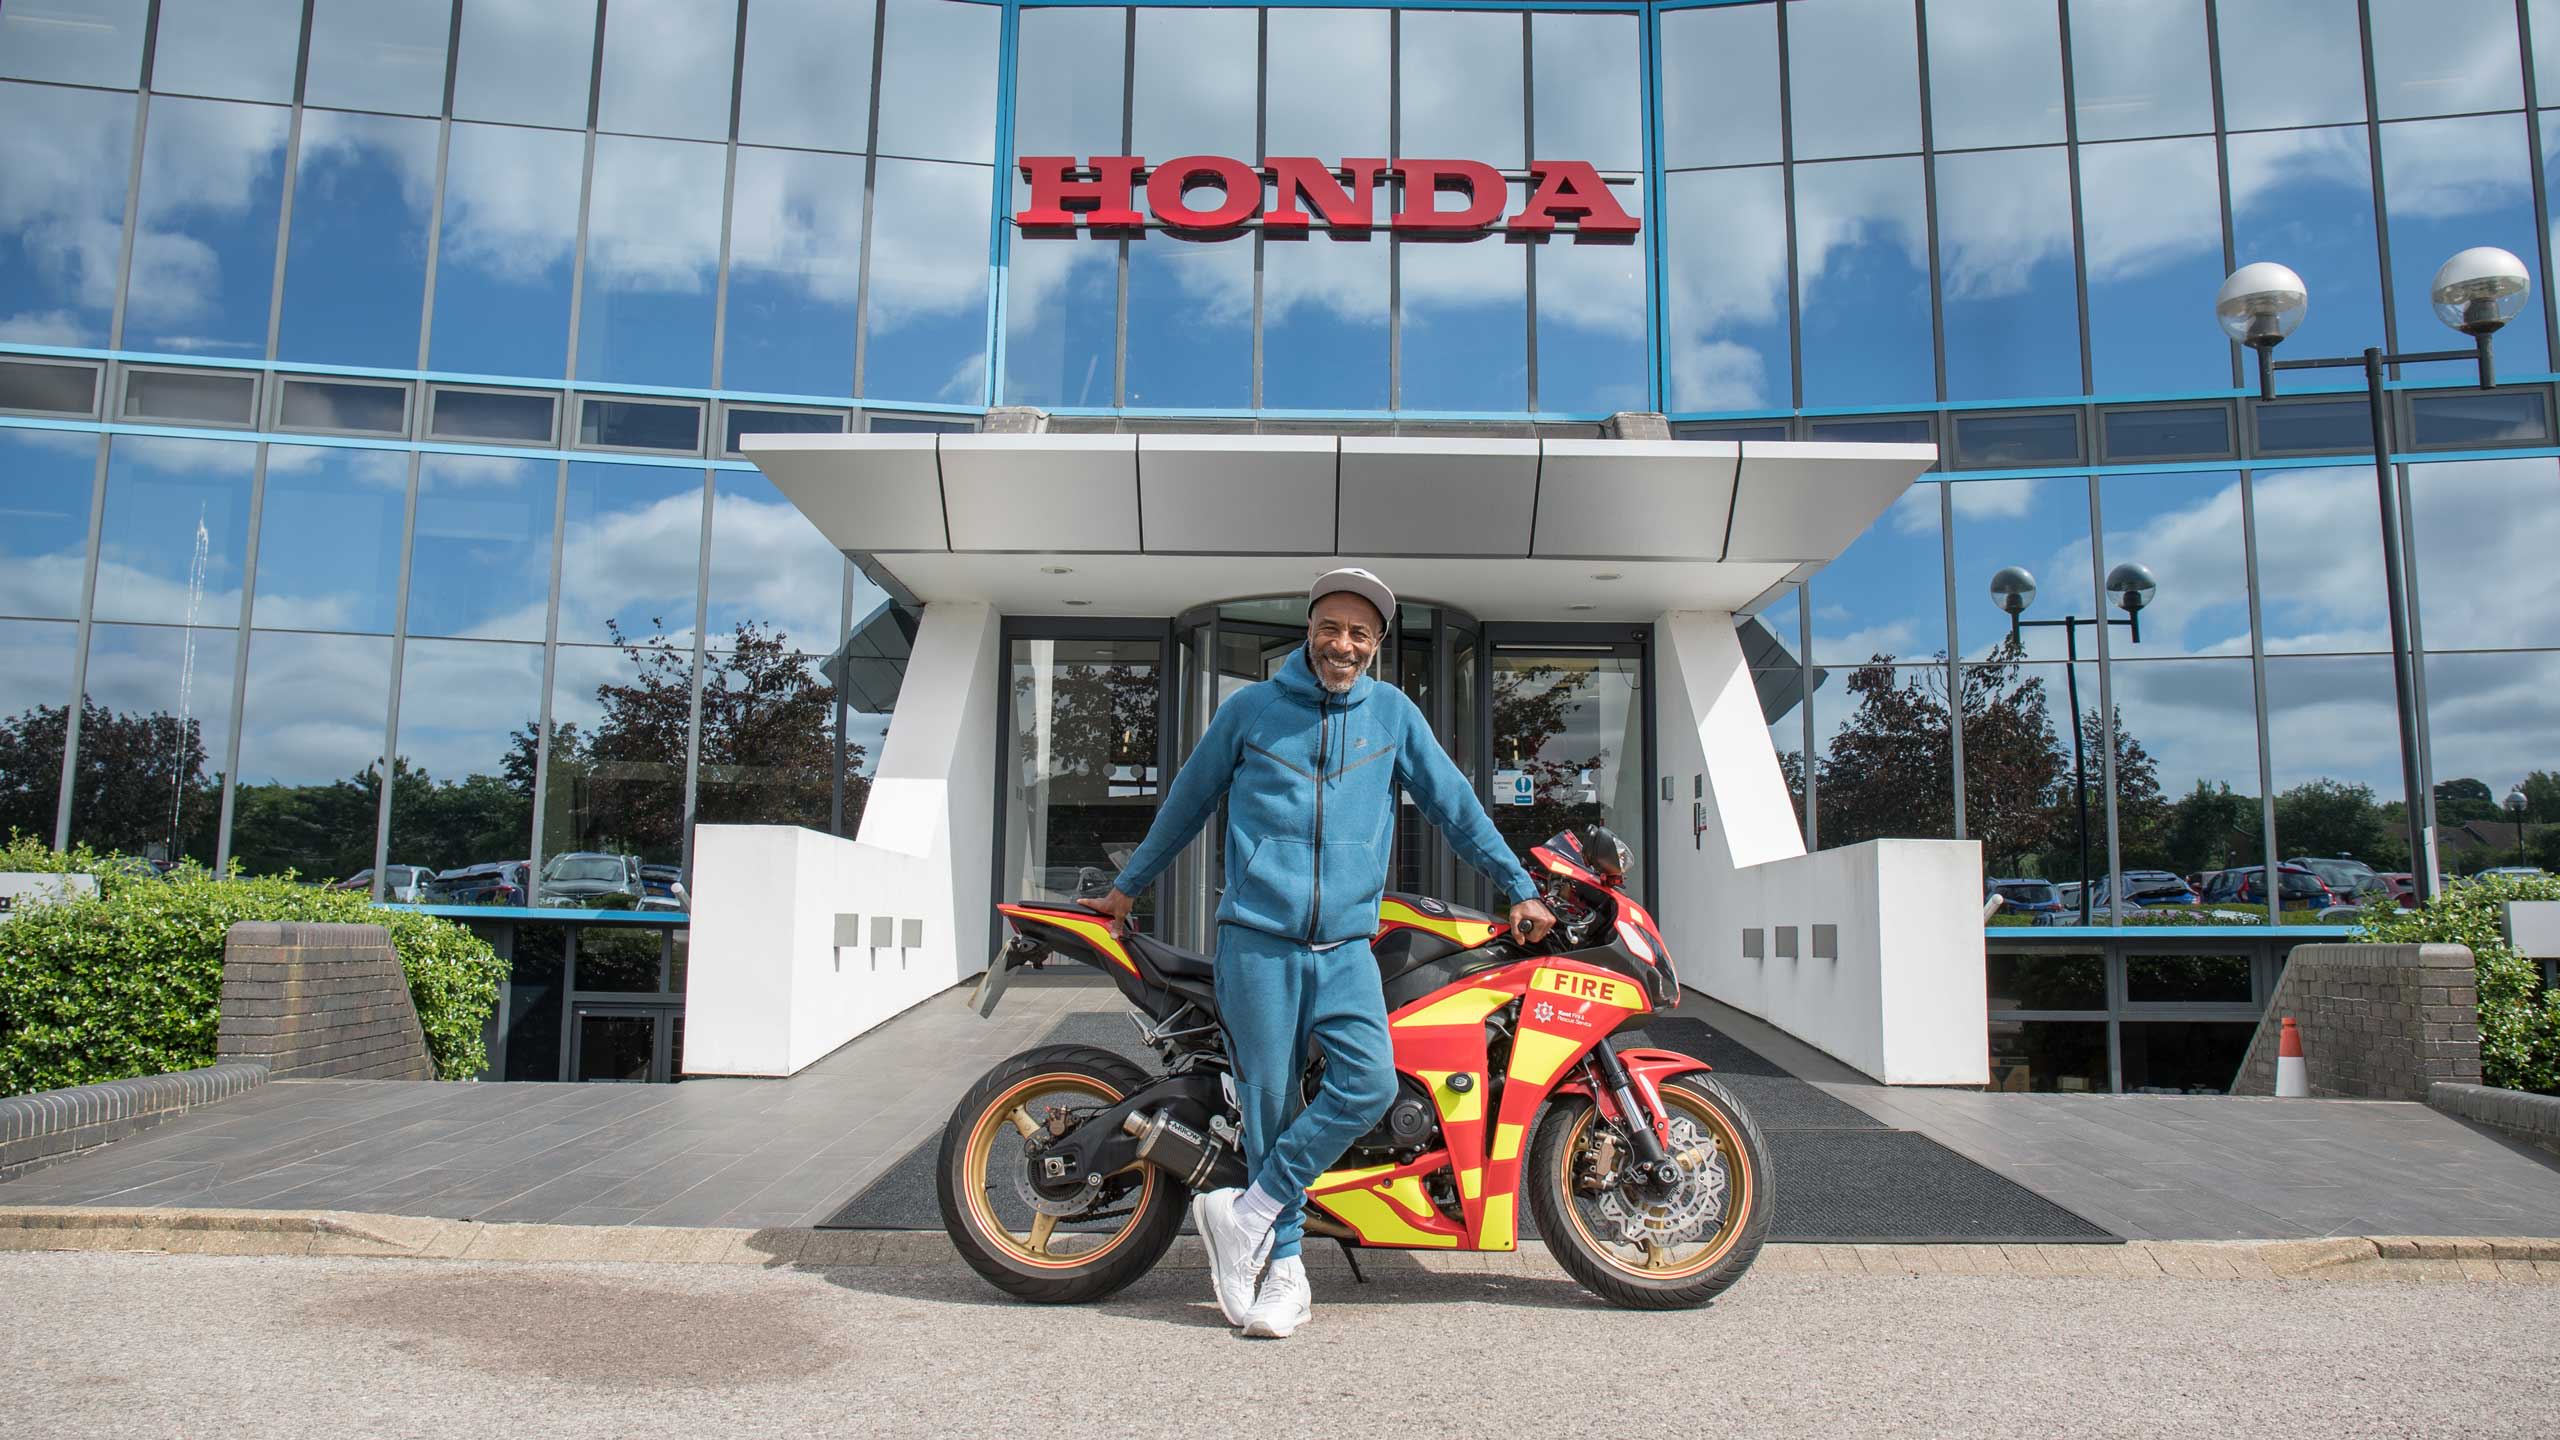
{"points": [[1509, 529]]}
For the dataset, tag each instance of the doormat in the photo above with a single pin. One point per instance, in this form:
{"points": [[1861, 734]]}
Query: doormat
{"points": [[1843, 1177]]}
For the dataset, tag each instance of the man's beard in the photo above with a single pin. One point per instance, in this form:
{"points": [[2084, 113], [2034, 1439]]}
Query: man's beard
{"points": [[1324, 677]]}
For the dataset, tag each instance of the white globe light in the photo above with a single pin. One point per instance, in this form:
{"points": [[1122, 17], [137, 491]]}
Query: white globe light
{"points": [[2480, 289], [2261, 303]]}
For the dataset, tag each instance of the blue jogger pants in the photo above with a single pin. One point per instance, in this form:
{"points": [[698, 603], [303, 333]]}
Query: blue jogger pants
{"points": [[1277, 998]]}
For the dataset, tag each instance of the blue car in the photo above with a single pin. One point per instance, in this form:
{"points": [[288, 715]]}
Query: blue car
{"points": [[2035, 899]]}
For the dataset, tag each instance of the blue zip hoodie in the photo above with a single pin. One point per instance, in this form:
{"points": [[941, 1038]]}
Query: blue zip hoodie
{"points": [[1307, 859]]}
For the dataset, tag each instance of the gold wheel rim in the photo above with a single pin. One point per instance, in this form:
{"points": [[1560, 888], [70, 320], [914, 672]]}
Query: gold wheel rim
{"points": [[1740, 1194], [1007, 1117]]}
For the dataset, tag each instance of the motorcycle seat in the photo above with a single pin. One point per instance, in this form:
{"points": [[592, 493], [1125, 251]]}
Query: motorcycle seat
{"points": [[1172, 962]]}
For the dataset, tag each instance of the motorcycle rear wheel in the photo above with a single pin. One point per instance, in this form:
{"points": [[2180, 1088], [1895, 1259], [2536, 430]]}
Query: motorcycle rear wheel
{"points": [[1711, 1129], [1043, 1258]]}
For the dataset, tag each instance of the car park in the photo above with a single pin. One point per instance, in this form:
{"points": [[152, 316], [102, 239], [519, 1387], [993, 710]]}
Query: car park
{"points": [[401, 884], [2300, 887], [2037, 900], [501, 882], [2348, 879], [592, 880]]}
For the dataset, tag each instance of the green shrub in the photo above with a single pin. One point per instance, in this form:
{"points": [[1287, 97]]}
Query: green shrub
{"points": [[2519, 1021], [130, 982]]}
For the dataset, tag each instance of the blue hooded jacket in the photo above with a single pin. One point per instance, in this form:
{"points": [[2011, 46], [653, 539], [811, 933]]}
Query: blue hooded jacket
{"points": [[1307, 858]]}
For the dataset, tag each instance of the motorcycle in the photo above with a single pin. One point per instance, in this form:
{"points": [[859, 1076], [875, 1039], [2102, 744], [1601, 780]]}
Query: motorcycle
{"points": [[1065, 1171]]}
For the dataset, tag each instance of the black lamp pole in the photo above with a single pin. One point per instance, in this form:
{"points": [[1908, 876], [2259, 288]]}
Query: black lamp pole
{"points": [[2395, 561], [2070, 626]]}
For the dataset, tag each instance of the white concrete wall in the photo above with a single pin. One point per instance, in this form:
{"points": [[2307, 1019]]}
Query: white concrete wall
{"points": [[767, 991], [1904, 1001]]}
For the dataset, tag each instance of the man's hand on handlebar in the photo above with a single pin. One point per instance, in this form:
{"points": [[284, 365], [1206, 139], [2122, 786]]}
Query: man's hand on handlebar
{"points": [[1531, 920], [1113, 904]]}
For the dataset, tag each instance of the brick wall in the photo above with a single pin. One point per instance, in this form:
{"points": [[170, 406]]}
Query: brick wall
{"points": [[50, 1126], [2378, 1022], [315, 1002]]}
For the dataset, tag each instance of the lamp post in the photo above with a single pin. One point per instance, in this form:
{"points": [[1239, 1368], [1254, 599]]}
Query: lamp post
{"points": [[2013, 590], [2475, 292], [2517, 801]]}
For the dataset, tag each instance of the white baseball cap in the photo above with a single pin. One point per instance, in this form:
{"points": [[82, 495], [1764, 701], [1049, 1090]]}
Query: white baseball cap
{"points": [[1361, 583]]}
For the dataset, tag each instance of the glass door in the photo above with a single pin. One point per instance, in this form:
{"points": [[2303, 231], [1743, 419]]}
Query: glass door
{"points": [[1571, 735], [1081, 770]]}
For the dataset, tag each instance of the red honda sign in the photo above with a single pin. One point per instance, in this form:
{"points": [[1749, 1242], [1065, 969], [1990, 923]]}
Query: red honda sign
{"points": [[1437, 197]]}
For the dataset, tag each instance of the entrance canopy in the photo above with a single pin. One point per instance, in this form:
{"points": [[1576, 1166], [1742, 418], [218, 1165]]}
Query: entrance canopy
{"points": [[1507, 528]]}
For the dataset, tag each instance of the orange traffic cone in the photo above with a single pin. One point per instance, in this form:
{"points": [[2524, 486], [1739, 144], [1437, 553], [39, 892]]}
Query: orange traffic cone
{"points": [[2293, 1082]]}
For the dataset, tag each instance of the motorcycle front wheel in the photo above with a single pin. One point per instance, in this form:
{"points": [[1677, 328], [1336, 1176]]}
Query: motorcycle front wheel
{"points": [[1653, 1251], [1025, 1246]]}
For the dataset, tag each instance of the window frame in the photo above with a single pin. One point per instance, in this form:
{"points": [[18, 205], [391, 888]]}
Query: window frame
{"points": [[436, 392], [409, 406], [124, 413]]}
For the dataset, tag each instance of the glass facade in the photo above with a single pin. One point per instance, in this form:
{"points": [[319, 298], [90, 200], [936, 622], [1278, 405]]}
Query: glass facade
{"points": [[415, 337]]}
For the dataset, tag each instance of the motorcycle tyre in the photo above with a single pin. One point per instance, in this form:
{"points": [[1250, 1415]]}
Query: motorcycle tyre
{"points": [[1151, 1230], [1610, 1282]]}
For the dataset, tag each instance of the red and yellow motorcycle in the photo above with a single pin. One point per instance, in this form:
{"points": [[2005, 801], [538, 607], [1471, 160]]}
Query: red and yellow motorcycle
{"points": [[1066, 1170]]}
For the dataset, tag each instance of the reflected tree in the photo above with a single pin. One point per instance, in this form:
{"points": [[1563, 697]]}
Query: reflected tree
{"points": [[1532, 705], [141, 785], [768, 738], [2338, 817]]}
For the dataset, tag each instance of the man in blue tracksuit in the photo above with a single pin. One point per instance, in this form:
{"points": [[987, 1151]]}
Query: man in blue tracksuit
{"points": [[1310, 763]]}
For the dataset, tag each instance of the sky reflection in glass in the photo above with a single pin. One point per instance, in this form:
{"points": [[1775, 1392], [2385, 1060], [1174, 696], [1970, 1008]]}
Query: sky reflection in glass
{"points": [[926, 335], [653, 254], [1190, 323], [45, 480], [64, 155], [2006, 275], [1726, 310], [480, 562], [167, 500], [1862, 254], [2447, 186], [503, 266], [379, 55], [1720, 85], [2304, 198], [227, 49], [807, 75], [329, 539], [2152, 212], [795, 271], [204, 247], [356, 270], [525, 61]]}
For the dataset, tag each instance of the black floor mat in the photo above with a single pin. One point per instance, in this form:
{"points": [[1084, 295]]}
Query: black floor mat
{"points": [[1843, 1177]]}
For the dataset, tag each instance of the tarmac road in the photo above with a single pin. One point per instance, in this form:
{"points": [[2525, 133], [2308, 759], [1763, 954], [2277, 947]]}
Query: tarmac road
{"points": [[129, 1344]]}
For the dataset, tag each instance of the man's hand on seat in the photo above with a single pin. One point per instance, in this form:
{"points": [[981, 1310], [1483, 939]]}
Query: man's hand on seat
{"points": [[1117, 906], [1531, 921]]}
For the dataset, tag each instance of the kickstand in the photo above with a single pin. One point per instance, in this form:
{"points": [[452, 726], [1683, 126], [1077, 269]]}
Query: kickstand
{"points": [[1352, 1260]]}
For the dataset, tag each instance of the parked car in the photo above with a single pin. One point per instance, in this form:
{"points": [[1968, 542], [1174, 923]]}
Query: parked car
{"points": [[401, 884], [495, 883], [663, 888], [2399, 885], [2348, 879], [2513, 872], [591, 880], [2301, 888], [2035, 899], [2147, 888]]}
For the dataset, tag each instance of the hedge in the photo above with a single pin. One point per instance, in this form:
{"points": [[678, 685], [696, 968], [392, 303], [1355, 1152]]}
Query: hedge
{"points": [[2519, 1021], [130, 982]]}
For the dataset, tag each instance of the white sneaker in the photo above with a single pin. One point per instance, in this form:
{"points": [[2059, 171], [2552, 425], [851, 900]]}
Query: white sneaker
{"points": [[1282, 1304], [1236, 1250]]}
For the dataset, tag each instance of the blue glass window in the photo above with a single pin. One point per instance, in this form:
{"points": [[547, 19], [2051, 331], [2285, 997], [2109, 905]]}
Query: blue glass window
{"points": [[2006, 275], [2152, 212], [312, 723], [227, 49], [1853, 77], [469, 714], [616, 771], [2463, 419], [1862, 258], [925, 337], [653, 252], [1193, 90], [1726, 306], [77, 42], [1462, 89], [204, 246], [154, 749], [630, 552], [667, 67], [509, 245], [1324, 323], [771, 571], [2042, 524], [2139, 68], [938, 80], [379, 55], [2180, 432], [176, 528], [1591, 309], [35, 700], [45, 480], [2304, 198], [1586, 75], [1061, 312], [2332, 718], [2483, 532], [1328, 83], [480, 563], [527, 62], [2449, 185], [2290, 62], [1190, 323], [1994, 441], [2194, 724], [1067, 96], [795, 272], [2542, 17], [1886, 596], [1719, 85], [611, 423], [1995, 74], [2187, 530], [329, 538], [2323, 597], [2445, 57], [356, 270], [64, 156], [806, 79], [1466, 325]]}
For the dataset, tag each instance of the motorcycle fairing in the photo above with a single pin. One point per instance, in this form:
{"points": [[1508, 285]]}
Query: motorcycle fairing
{"points": [[1566, 1007], [1646, 1070]]}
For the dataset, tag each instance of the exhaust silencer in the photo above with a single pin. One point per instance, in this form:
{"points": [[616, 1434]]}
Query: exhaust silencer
{"points": [[1201, 1162]]}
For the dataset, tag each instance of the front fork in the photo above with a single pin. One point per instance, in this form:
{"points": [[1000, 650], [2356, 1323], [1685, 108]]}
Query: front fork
{"points": [[1654, 1169]]}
